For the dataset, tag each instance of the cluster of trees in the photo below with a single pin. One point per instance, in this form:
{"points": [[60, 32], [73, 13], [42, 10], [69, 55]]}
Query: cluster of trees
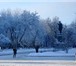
{"points": [[27, 29]]}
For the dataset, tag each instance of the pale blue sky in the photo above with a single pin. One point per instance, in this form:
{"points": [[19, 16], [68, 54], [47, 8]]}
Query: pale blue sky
{"points": [[37, 0], [66, 11]]}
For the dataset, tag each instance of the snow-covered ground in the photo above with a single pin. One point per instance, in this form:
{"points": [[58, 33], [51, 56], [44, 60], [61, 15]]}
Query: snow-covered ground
{"points": [[37, 63], [71, 52], [19, 51], [44, 54]]}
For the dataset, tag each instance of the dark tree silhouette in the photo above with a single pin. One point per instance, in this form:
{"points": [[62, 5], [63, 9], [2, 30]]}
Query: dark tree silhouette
{"points": [[37, 48], [14, 52], [60, 26]]}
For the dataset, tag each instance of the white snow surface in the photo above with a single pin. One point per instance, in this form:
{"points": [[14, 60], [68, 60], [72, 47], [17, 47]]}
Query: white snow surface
{"points": [[42, 52], [30, 54], [71, 52], [22, 50]]}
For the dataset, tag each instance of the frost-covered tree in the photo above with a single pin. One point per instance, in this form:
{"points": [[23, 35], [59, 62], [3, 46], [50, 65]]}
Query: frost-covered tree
{"points": [[26, 29], [4, 42], [73, 34], [31, 21], [20, 26], [53, 25]]}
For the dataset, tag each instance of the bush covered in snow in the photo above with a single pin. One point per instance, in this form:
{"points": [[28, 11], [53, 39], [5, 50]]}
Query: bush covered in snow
{"points": [[4, 41]]}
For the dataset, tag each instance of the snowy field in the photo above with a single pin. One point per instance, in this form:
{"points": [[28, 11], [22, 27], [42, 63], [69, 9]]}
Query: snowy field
{"points": [[44, 54], [37, 63]]}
